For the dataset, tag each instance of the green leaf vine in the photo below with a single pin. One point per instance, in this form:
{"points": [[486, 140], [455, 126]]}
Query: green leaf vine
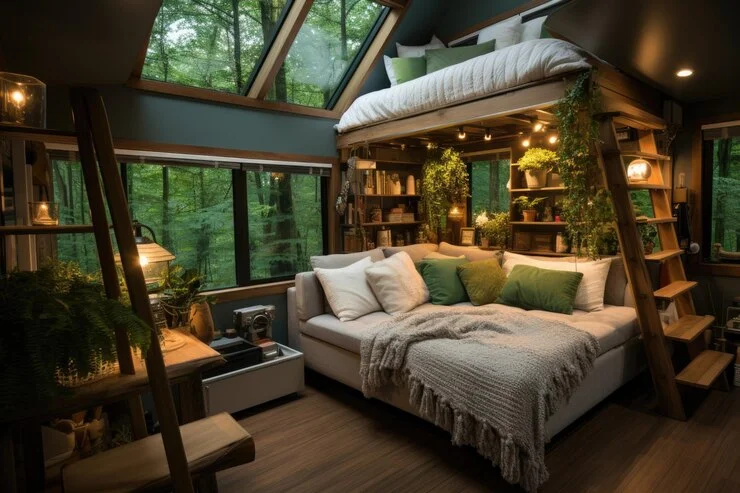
{"points": [[444, 183], [587, 206]]}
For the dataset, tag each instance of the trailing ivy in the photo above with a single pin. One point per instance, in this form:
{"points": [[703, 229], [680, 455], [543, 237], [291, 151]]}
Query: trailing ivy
{"points": [[587, 207], [444, 183]]}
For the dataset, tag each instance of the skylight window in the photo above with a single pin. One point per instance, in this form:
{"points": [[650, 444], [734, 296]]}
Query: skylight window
{"points": [[211, 44], [334, 34]]}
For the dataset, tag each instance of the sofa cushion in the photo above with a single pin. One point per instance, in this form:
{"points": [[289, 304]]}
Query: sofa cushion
{"points": [[441, 278], [483, 280], [533, 288], [471, 253], [396, 284], [309, 296], [339, 260], [416, 252], [347, 290], [346, 335]]}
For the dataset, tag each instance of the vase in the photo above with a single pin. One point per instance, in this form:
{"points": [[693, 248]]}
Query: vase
{"points": [[395, 187], [484, 242], [201, 322], [530, 215], [536, 179], [410, 185]]}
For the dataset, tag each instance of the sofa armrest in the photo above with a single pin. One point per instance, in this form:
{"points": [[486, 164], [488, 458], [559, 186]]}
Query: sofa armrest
{"points": [[309, 299], [294, 331]]}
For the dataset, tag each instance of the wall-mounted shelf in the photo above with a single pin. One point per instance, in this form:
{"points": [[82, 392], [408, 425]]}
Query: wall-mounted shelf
{"points": [[369, 225], [543, 189], [551, 224], [46, 230]]}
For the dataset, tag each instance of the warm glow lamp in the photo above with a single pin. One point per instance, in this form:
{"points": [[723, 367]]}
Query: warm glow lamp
{"points": [[22, 100], [455, 214], [639, 171], [153, 258]]}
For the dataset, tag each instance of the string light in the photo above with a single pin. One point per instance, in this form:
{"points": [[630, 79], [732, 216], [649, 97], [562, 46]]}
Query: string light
{"points": [[403, 147], [525, 142], [487, 136], [461, 135], [538, 126], [430, 145], [553, 139]]}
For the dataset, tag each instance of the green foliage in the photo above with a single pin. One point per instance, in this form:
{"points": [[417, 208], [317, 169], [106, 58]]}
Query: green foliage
{"points": [[497, 229], [57, 318], [648, 233], [538, 159], [524, 203], [488, 185], [181, 289], [444, 183], [725, 222], [587, 207]]}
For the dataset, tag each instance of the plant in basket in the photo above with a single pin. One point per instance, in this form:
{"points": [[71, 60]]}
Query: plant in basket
{"points": [[528, 207]]}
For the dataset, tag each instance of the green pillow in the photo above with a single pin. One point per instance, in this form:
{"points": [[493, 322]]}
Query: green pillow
{"points": [[533, 288], [440, 276], [407, 69], [444, 57], [483, 280]]}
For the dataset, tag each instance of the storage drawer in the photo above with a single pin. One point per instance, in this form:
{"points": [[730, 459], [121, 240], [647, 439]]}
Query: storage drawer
{"points": [[254, 385]]}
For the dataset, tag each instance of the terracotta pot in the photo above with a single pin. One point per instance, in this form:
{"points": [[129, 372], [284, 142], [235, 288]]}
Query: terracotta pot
{"points": [[530, 215], [536, 179], [201, 322], [649, 247]]}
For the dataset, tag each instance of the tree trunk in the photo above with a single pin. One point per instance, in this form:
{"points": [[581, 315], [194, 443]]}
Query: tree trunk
{"points": [[237, 46], [269, 12], [343, 28], [493, 185], [724, 152], [286, 236], [166, 239]]}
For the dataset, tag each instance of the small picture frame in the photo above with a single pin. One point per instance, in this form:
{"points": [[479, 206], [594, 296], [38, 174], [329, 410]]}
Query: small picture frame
{"points": [[467, 236]]}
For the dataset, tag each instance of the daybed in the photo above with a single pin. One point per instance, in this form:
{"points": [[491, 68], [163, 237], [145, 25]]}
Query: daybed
{"points": [[332, 347]]}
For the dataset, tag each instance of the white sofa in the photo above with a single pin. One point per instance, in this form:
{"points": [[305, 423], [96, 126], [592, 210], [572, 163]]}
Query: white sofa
{"points": [[332, 347]]}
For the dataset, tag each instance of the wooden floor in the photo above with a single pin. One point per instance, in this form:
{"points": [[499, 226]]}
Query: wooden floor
{"points": [[333, 439]]}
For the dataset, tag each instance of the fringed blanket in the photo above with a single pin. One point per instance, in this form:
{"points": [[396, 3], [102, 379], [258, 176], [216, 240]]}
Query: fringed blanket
{"points": [[491, 379]]}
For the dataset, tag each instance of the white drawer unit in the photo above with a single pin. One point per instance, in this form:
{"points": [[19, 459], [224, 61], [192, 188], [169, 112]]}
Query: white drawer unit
{"points": [[254, 385]]}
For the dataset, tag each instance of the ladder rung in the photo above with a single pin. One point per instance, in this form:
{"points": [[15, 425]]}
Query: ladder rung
{"points": [[663, 255], [674, 289], [704, 369], [646, 155], [661, 220], [647, 186], [688, 327]]}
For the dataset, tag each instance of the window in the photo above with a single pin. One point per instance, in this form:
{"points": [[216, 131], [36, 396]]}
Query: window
{"points": [[193, 210], [334, 34], [721, 183], [211, 44], [488, 178]]}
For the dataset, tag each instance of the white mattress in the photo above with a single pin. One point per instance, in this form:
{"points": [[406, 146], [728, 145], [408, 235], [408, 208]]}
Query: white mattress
{"points": [[478, 77], [612, 326]]}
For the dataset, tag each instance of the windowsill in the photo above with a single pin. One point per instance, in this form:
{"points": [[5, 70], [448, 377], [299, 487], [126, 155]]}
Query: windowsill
{"points": [[247, 292], [718, 269]]}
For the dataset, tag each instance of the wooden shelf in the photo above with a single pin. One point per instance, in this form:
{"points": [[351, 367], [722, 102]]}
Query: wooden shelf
{"points": [[674, 289], [705, 369], [657, 220], [549, 224], [688, 327], [542, 254], [663, 255], [646, 155], [46, 230], [33, 133], [370, 225], [647, 186], [543, 189]]}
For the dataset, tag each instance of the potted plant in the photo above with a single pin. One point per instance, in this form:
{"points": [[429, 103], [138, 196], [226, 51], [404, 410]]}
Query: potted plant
{"points": [[535, 165], [480, 220], [445, 183], [183, 302], [648, 234], [527, 207], [58, 330], [496, 230]]}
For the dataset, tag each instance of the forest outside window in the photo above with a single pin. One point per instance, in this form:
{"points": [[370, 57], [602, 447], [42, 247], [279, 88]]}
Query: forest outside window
{"points": [[721, 183], [489, 176]]}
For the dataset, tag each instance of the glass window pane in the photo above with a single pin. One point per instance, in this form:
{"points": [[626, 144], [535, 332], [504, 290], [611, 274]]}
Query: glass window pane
{"points": [[488, 185], [330, 38], [212, 44], [285, 223], [725, 200], [191, 211]]}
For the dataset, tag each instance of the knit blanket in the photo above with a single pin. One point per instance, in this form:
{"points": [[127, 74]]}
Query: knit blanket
{"points": [[490, 378]]}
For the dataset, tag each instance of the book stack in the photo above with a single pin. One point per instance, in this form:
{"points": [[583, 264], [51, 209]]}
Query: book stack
{"points": [[269, 348]]}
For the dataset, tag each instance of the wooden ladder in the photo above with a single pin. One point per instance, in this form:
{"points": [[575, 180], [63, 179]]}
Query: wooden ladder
{"points": [[706, 368]]}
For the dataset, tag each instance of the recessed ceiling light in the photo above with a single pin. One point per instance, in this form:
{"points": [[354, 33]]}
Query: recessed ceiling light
{"points": [[685, 72]]}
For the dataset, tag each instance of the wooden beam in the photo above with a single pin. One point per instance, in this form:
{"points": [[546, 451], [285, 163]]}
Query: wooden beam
{"points": [[503, 103], [394, 4], [141, 58], [279, 48], [531, 4], [372, 56], [630, 113], [229, 98]]}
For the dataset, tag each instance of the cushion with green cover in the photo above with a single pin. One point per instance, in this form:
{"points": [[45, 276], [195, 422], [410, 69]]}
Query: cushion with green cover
{"points": [[444, 57], [533, 288], [440, 276], [483, 280], [407, 69]]}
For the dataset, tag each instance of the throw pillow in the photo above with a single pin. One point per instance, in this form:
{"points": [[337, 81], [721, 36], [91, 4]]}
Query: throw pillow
{"points": [[590, 295], [416, 51], [388, 62], [483, 280], [533, 288], [347, 290], [396, 284], [438, 256], [338, 260], [406, 69], [471, 253], [444, 57], [442, 280], [533, 29], [416, 252], [506, 33]]}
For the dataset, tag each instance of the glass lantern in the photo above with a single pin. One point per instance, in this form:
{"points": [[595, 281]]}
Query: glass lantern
{"points": [[22, 100], [44, 213], [639, 171]]}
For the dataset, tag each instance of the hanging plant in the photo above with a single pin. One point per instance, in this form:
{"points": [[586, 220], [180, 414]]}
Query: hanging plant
{"points": [[444, 183], [587, 206]]}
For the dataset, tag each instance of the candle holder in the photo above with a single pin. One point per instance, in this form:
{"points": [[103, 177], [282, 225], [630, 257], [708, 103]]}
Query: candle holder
{"points": [[44, 213], [22, 100]]}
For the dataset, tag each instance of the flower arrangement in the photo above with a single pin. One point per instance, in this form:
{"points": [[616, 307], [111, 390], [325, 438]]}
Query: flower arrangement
{"points": [[496, 229]]}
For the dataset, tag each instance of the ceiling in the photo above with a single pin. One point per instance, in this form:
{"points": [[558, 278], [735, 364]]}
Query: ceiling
{"points": [[652, 39], [75, 42]]}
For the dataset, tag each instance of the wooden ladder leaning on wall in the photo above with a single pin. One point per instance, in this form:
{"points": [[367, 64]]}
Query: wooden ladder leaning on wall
{"points": [[706, 368]]}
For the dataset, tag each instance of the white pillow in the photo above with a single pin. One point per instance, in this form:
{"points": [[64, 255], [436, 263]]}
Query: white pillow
{"points": [[532, 29], [397, 284], [506, 33], [437, 255], [590, 295], [347, 291], [389, 70], [417, 51]]}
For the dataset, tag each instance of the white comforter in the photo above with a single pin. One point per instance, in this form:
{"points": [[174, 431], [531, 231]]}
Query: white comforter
{"points": [[475, 78]]}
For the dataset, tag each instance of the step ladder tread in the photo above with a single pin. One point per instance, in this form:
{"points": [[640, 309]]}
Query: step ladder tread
{"points": [[663, 255], [688, 327], [646, 155], [211, 444], [647, 186], [674, 289], [704, 369]]}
